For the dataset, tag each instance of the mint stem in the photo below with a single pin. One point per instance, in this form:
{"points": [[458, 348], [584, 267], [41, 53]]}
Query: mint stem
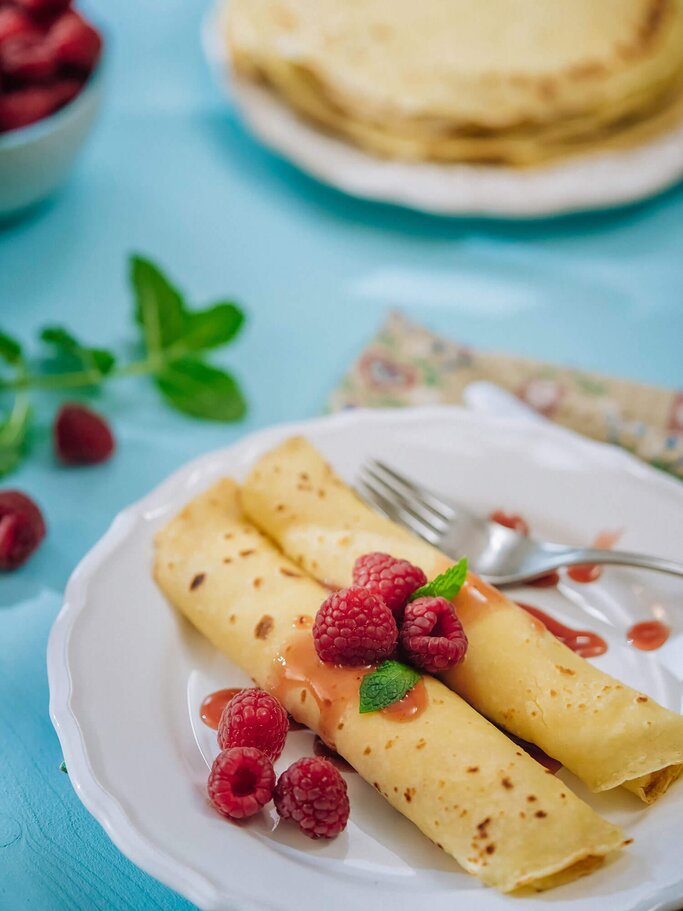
{"points": [[80, 378]]}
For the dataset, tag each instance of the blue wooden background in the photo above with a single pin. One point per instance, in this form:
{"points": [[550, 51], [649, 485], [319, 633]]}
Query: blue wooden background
{"points": [[171, 173]]}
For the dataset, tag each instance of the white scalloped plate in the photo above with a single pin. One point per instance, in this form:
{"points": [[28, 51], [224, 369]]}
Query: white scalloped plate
{"points": [[127, 675], [595, 181]]}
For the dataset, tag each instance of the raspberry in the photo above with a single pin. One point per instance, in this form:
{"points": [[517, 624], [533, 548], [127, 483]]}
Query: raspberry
{"points": [[38, 8], [393, 580], [313, 794], [432, 637], [354, 627], [254, 718], [82, 437], [22, 528], [12, 23], [28, 58], [241, 781], [25, 106], [510, 520], [75, 42], [65, 90]]}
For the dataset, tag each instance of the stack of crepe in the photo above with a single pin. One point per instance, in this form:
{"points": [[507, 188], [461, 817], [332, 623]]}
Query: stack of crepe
{"points": [[514, 82], [253, 590]]}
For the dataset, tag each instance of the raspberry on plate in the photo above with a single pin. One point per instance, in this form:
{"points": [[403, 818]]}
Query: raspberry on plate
{"points": [[432, 637], [393, 580], [354, 627], [22, 528], [313, 794], [241, 781], [82, 437], [254, 718]]}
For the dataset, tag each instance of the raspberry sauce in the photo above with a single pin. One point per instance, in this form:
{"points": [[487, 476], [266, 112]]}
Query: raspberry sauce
{"points": [[552, 765], [413, 704], [585, 572], [583, 642], [550, 580], [510, 520], [591, 572], [299, 674], [211, 709], [648, 635]]}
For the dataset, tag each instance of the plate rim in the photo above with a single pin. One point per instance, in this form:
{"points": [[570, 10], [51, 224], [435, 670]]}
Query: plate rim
{"points": [[104, 806], [601, 180]]}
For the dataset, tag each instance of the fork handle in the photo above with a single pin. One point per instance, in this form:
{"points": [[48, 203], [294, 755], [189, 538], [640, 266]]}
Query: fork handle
{"points": [[576, 556]]}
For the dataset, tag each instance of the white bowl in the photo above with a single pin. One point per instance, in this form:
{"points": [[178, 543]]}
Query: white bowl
{"points": [[35, 160]]}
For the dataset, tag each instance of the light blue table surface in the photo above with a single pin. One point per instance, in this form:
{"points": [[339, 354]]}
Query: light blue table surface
{"points": [[170, 172]]}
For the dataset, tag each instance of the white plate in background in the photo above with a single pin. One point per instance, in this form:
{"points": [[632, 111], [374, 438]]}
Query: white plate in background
{"points": [[594, 181]]}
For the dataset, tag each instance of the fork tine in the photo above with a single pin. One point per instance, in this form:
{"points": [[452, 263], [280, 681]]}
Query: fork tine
{"points": [[440, 508], [397, 512], [409, 501]]}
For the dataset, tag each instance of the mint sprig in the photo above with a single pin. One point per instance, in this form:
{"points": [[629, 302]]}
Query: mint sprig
{"points": [[447, 585], [14, 435], [73, 355], [174, 341], [386, 685]]}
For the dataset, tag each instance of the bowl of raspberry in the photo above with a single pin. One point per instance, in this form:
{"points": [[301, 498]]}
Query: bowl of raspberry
{"points": [[50, 88]]}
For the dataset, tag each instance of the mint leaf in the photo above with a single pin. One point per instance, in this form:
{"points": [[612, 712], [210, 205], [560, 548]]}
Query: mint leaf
{"points": [[10, 349], [388, 684], [202, 391], [97, 362], [159, 307], [447, 585], [212, 327], [14, 436]]}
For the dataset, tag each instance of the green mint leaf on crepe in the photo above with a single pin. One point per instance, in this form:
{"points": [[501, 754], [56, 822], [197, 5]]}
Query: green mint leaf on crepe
{"points": [[201, 390], [210, 328], [447, 585], [95, 362], [14, 435], [159, 307], [10, 349], [386, 685]]}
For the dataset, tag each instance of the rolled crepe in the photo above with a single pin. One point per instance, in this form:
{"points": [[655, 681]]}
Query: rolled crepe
{"points": [[515, 672], [457, 777]]}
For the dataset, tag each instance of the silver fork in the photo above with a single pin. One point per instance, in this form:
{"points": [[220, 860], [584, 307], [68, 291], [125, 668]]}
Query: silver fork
{"points": [[498, 554]]}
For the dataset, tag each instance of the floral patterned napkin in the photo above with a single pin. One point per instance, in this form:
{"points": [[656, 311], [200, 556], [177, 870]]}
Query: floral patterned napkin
{"points": [[407, 364]]}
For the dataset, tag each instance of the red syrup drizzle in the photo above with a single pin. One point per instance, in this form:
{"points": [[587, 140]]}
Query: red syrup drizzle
{"points": [[211, 709], [583, 573], [552, 765], [585, 643], [320, 748], [521, 526], [510, 520], [591, 572], [648, 635], [550, 580]]}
